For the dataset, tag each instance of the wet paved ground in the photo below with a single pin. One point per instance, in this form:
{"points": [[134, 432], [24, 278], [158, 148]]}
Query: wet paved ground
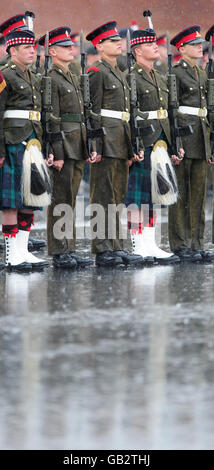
{"points": [[108, 359]]}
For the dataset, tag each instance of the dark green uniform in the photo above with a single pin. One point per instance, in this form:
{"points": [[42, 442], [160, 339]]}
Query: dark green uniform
{"points": [[187, 217], [22, 93], [68, 105], [109, 91], [152, 95]]}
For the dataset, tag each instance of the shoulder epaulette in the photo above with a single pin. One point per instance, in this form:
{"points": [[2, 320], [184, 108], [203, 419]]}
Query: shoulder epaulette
{"points": [[95, 69]]}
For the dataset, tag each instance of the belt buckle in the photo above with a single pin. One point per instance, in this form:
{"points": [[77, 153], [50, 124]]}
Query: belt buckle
{"points": [[125, 116], [202, 112], [34, 115], [162, 113]]}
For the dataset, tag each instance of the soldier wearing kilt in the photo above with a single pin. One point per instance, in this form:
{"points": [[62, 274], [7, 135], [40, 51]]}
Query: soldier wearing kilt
{"points": [[109, 174], [20, 106], [152, 96], [187, 217]]}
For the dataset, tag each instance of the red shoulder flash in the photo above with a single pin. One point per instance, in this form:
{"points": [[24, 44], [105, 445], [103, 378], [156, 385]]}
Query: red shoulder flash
{"points": [[95, 69], [2, 82]]}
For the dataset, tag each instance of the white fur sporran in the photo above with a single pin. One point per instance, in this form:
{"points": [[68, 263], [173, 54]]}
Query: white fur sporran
{"points": [[163, 177], [36, 187]]}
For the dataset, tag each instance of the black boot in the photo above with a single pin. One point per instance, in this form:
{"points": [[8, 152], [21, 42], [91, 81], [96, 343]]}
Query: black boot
{"points": [[81, 262], [36, 245], [107, 258], [207, 256], [64, 261], [188, 255], [129, 258]]}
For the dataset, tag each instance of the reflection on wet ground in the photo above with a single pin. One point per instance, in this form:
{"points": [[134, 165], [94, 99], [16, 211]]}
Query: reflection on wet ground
{"points": [[107, 359]]}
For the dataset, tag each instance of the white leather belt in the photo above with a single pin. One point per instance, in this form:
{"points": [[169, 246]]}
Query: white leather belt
{"points": [[159, 114], [201, 112], [21, 114], [125, 116]]}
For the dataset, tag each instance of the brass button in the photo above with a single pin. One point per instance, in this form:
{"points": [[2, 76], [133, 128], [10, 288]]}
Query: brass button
{"points": [[113, 86], [34, 97], [127, 109], [147, 91], [33, 87], [35, 107], [201, 87], [203, 97], [191, 88], [161, 99], [21, 87], [126, 98], [139, 70]]}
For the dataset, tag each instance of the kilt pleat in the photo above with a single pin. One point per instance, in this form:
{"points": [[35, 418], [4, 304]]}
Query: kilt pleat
{"points": [[139, 184]]}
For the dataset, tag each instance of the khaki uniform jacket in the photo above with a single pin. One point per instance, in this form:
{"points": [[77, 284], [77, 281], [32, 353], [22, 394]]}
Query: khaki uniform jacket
{"points": [[109, 90], [67, 99], [19, 94], [151, 97], [192, 92]]}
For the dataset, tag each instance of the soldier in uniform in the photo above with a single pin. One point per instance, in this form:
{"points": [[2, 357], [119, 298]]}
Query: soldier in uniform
{"points": [[152, 94], [109, 176], [210, 33], [187, 217], [17, 21], [68, 154], [20, 106]]}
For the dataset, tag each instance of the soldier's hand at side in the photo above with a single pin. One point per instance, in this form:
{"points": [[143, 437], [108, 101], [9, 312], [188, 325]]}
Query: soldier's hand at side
{"points": [[58, 164], [50, 160], [2, 159], [176, 160], [139, 157], [211, 160], [92, 158], [130, 162]]}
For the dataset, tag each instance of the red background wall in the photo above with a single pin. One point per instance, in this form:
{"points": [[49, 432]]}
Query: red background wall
{"points": [[168, 15]]}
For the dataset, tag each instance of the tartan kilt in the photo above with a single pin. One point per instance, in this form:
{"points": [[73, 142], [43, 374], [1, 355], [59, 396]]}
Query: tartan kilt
{"points": [[139, 184], [10, 178]]}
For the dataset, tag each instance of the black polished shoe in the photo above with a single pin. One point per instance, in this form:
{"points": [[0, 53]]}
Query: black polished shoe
{"points": [[206, 255], [81, 262], [36, 245], [188, 255], [129, 258], [64, 261], [173, 259], [107, 258]]}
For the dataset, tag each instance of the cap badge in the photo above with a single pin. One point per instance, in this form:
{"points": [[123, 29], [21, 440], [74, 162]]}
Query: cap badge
{"points": [[67, 33], [198, 34]]}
